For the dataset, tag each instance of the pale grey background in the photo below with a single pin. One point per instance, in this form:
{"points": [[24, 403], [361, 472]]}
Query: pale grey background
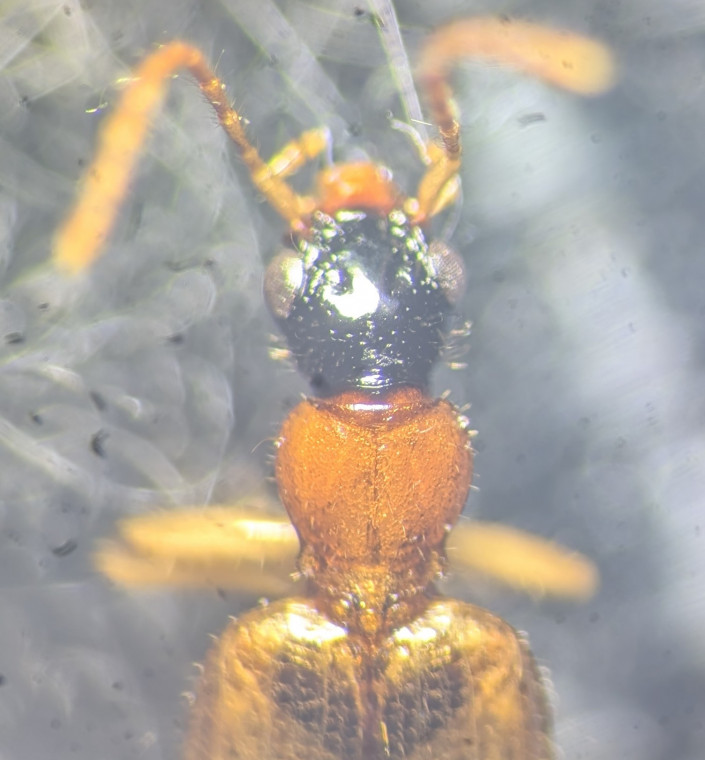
{"points": [[582, 235]]}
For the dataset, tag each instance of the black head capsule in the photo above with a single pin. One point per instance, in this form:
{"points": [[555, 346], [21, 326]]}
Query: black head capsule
{"points": [[364, 303]]}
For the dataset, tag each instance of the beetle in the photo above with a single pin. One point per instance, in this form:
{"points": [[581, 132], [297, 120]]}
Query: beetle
{"points": [[369, 660]]}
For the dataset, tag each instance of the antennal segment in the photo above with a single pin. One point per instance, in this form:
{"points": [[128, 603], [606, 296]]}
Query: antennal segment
{"points": [[79, 240], [562, 58]]}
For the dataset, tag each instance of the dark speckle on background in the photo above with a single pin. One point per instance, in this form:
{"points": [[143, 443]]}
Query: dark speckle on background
{"points": [[148, 382]]}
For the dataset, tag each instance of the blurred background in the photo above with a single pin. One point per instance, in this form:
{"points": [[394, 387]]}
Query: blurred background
{"points": [[149, 383]]}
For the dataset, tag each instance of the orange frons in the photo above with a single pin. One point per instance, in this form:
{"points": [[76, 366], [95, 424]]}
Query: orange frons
{"points": [[361, 185]]}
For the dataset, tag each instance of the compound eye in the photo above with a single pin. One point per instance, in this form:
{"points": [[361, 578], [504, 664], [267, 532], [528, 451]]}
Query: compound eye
{"points": [[283, 281], [448, 269]]}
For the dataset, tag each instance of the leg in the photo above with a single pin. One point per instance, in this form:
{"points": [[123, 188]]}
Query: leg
{"points": [[225, 547], [520, 560], [237, 548]]}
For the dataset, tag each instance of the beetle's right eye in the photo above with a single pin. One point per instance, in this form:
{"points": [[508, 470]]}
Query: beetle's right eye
{"points": [[448, 269], [283, 281]]}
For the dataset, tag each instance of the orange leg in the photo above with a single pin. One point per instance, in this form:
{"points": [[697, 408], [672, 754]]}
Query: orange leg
{"points": [[239, 547], [562, 58], [79, 240]]}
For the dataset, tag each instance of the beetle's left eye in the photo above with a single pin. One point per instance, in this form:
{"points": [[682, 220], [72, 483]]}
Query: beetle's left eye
{"points": [[283, 281]]}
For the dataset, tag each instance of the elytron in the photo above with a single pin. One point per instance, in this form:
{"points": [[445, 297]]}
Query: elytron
{"points": [[369, 660]]}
